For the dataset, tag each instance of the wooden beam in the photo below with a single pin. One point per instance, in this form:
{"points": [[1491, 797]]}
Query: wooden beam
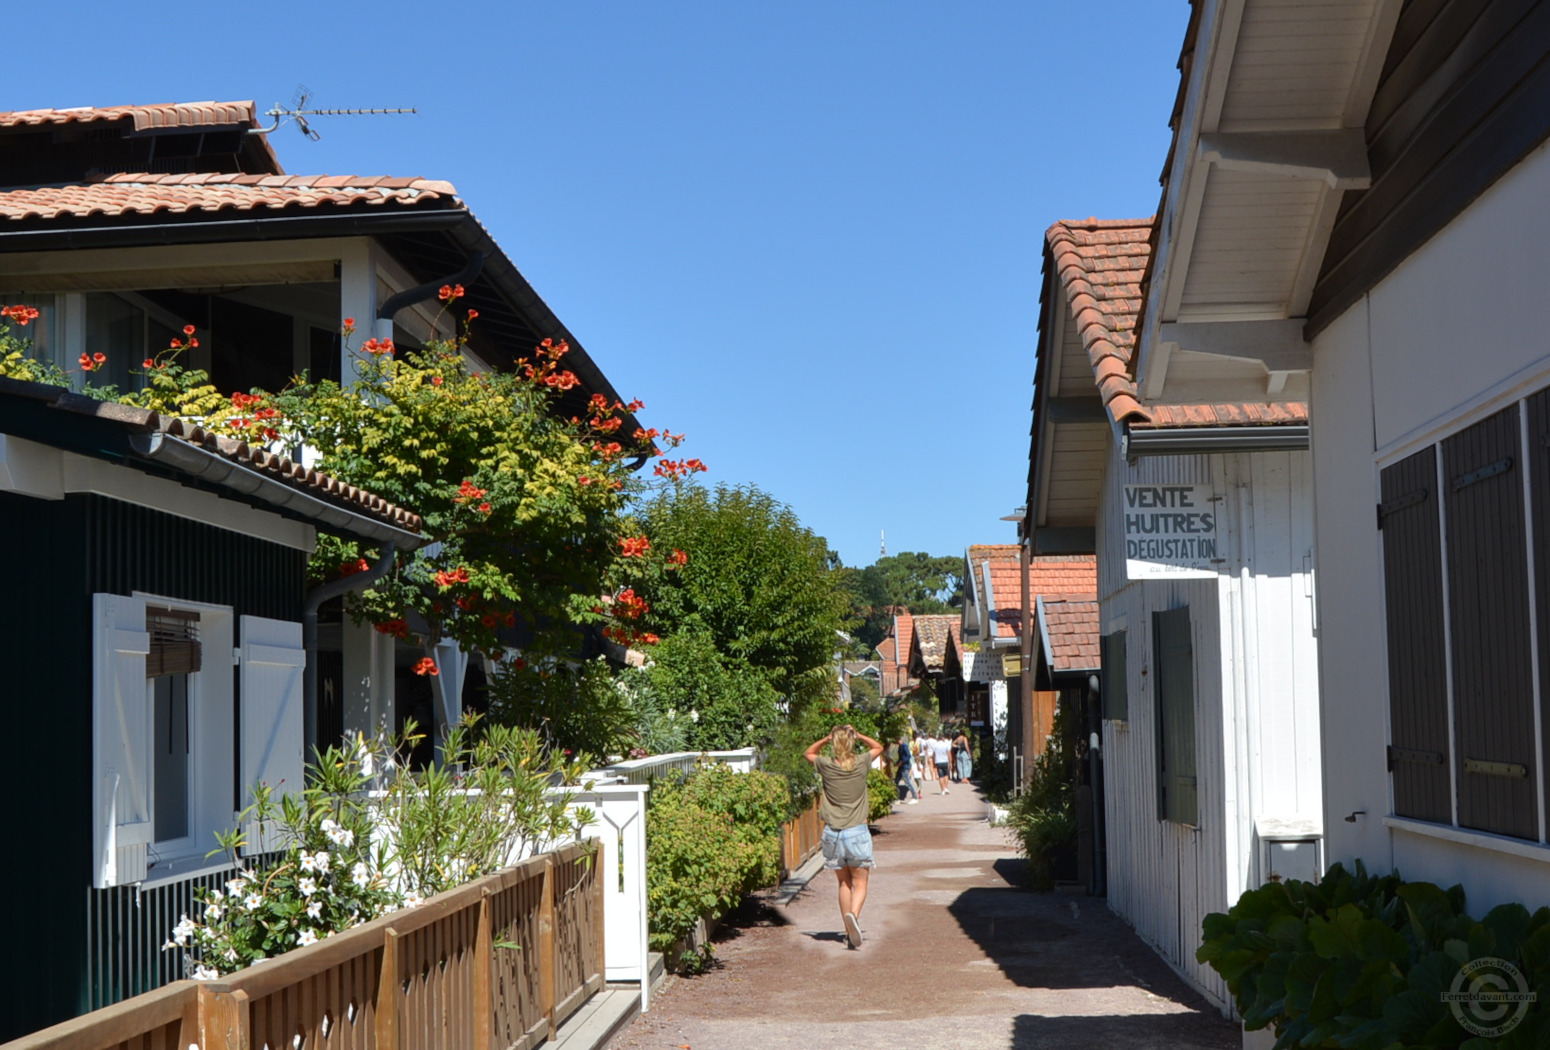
{"points": [[1339, 158], [1278, 345]]}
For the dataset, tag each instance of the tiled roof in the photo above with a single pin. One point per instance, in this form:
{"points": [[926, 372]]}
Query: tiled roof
{"points": [[1173, 417], [931, 636], [147, 194], [1053, 576], [1050, 575], [1071, 629], [903, 634], [173, 114], [1100, 263], [293, 475]]}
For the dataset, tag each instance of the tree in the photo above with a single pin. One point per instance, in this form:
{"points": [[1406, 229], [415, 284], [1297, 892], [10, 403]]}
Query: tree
{"points": [[912, 580], [750, 619]]}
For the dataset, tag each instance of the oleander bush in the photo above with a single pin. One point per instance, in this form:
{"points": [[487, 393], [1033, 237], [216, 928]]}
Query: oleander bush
{"points": [[1365, 961]]}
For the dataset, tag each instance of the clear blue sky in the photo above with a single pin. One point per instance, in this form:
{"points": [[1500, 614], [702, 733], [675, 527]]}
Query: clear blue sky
{"points": [[806, 233]]}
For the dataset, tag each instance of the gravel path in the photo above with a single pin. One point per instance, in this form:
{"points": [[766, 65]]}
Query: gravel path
{"points": [[957, 955]]}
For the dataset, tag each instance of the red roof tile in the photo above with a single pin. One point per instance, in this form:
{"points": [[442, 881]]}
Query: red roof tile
{"points": [[931, 636], [172, 114], [1071, 628], [145, 194], [1274, 413]]}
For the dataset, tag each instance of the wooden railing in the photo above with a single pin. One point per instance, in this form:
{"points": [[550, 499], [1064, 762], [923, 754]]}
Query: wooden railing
{"points": [[496, 964], [799, 839]]}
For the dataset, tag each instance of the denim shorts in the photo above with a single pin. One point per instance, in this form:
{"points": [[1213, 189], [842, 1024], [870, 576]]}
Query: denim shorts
{"points": [[851, 848]]}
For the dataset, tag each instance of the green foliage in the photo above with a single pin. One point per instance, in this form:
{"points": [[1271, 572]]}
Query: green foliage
{"points": [[1363, 961], [1043, 817], [757, 584], [660, 728], [709, 840], [347, 855], [578, 708], [880, 793], [813, 722], [914, 580], [726, 703]]}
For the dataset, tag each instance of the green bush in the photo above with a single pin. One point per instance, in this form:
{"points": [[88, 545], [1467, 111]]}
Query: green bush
{"points": [[881, 793], [1364, 961], [709, 840], [1043, 817], [813, 722]]}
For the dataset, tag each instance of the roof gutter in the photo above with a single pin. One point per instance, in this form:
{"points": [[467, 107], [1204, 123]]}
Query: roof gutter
{"points": [[394, 303], [1179, 441], [218, 470], [210, 231]]}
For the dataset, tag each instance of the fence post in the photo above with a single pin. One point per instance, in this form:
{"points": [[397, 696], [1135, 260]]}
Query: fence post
{"points": [[484, 961], [387, 993], [546, 960], [600, 926], [223, 1019]]}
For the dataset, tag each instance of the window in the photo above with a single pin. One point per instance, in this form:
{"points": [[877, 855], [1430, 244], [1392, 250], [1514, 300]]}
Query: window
{"points": [[1459, 602], [1116, 705], [1174, 662], [169, 737]]}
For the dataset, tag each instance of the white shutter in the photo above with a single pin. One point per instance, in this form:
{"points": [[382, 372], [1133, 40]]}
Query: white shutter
{"points": [[121, 741], [272, 662]]}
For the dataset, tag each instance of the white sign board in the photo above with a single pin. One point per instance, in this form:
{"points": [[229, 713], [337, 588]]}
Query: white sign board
{"points": [[1170, 532]]}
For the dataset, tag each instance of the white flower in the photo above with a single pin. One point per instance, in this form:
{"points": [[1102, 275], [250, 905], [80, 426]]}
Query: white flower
{"points": [[307, 887], [236, 886], [307, 862], [320, 858], [307, 937], [214, 910], [314, 909], [359, 875], [205, 973], [329, 825], [413, 900], [345, 837], [252, 901], [230, 955], [694, 716], [181, 933]]}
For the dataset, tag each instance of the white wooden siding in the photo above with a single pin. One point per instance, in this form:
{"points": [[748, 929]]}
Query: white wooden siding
{"points": [[1269, 89], [1256, 713]]}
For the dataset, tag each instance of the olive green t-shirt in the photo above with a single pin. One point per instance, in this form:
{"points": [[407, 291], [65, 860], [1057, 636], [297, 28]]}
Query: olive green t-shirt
{"points": [[844, 793]]}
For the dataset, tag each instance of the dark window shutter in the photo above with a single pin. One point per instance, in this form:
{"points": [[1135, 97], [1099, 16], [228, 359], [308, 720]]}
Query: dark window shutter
{"points": [[1539, 498], [1116, 704], [174, 642], [1175, 666], [1488, 615], [1418, 687]]}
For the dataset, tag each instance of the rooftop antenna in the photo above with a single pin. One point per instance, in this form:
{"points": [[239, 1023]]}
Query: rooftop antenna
{"points": [[883, 545], [297, 111]]}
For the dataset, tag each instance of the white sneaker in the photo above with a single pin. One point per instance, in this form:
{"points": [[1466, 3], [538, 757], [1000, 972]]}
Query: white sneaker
{"points": [[912, 802], [852, 931]]}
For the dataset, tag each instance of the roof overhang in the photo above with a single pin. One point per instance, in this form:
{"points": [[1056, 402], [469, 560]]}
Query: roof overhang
{"points": [[1268, 137], [1182, 441]]}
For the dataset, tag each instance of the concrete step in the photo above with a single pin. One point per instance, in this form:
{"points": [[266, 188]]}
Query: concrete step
{"points": [[600, 1019]]}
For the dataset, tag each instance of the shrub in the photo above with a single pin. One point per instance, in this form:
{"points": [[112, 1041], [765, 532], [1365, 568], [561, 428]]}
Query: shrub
{"points": [[1364, 961], [881, 794], [709, 840], [1042, 817]]}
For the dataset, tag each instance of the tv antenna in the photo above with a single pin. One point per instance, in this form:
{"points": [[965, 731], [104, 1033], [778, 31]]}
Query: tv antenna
{"points": [[298, 112]]}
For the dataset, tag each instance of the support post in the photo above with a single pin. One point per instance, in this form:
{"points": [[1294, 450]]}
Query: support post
{"points": [[387, 993], [484, 962], [223, 1019], [546, 960]]}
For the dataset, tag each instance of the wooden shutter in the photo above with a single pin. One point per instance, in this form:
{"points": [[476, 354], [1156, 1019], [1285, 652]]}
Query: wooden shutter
{"points": [[1488, 617], [1417, 657], [1175, 663], [121, 741], [271, 729], [1539, 499], [1116, 703]]}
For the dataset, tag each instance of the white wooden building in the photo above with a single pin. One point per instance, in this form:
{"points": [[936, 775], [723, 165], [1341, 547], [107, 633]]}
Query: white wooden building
{"points": [[1387, 250], [1201, 518]]}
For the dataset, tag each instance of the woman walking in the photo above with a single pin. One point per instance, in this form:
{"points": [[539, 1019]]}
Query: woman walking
{"points": [[965, 762], [847, 842], [906, 781]]}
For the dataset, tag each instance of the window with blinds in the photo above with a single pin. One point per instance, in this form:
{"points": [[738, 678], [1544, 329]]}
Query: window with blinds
{"points": [[174, 642]]}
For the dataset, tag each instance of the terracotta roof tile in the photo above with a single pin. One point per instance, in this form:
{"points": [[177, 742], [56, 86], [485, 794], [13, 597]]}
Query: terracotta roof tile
{"points": [[1183, 416], [146, 194], [931, 637], [172, 114], [1072, 630]]}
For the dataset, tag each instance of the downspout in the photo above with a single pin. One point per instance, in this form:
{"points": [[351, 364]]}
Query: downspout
{"points": [[309, 635], [418, 294]]}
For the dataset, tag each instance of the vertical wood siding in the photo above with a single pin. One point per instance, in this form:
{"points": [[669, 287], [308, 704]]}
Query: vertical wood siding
{"points": [[1417, 644], [1256, 697], [1538, 442]]}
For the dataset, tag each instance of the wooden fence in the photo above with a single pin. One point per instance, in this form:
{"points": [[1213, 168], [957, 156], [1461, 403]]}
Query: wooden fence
{"points": [[496, 964], [799, 839]]}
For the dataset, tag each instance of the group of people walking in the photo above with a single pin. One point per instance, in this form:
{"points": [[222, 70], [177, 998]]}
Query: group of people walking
{"points": [[917, 759]]}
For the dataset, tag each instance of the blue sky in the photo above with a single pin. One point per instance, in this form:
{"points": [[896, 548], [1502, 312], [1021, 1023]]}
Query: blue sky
{"points": [[808, 234]]}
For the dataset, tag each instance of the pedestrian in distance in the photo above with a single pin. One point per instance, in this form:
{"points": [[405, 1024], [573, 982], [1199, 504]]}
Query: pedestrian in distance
{"points": [[916, 762], [906, 782], [847, 841], [965, 763], [941, 754]]}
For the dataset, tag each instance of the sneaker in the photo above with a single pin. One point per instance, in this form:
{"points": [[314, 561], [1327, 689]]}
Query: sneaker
{"points": [[852, 931], [913, 802]]}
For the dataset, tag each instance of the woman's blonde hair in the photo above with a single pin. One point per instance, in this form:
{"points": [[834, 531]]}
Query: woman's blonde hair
{"points": [[843, 744]]}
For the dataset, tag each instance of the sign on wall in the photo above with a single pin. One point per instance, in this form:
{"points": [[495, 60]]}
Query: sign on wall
{"points": [[1170, 532]]}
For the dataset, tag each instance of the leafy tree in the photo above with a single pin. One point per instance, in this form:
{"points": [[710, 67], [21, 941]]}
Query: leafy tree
{"points": [[912, 580]]}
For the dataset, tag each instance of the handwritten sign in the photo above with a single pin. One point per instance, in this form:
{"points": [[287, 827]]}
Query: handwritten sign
{"points": [[1170, 532]]}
